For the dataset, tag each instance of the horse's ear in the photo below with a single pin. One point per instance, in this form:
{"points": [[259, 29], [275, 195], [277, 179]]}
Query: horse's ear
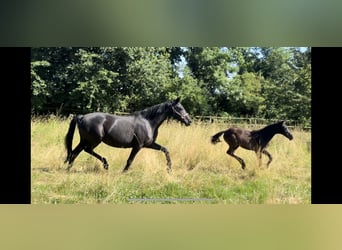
{"points": [[176, 101]]}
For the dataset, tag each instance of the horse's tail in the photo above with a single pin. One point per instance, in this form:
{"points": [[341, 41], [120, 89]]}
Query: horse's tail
{"points": [[69, 136], [216, 138]]}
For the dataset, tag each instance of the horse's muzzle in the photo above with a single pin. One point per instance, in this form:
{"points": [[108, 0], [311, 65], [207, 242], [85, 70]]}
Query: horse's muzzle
{"points": [[187, 121]]}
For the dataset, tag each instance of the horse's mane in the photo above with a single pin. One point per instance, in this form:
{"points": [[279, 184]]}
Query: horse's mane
{"points": [[258, 131], [150, 112], [257, 134]]}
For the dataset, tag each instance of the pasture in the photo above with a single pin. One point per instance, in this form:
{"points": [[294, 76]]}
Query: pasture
{"points": [[202, 173]]}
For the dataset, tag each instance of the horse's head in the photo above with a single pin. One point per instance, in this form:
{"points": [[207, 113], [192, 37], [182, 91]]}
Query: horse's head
{"points": [[179, 112], [285, 131]]}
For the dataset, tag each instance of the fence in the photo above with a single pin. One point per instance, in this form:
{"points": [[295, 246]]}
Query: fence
{"points": [[250, 121], [237, 121]]}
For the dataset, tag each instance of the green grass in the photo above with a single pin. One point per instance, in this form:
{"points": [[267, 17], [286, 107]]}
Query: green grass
{"points": [[201, 172]]}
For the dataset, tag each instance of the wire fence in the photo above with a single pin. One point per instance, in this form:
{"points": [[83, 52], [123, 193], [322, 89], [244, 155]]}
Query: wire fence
{"points": [[248, 121], [229, 120]]}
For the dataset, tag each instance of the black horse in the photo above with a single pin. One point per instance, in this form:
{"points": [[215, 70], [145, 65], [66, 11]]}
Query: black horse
{"points": [[137, 130], [256, 140]]}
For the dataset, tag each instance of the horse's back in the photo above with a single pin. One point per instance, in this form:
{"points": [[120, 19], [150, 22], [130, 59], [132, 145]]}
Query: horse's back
{"points": [[239, 132], [91, 125], [238, 136], [129, 130], [115, 130], [91, 120], [95, 117]]}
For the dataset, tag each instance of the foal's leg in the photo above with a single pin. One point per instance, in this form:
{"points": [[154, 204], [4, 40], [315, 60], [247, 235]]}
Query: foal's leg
{"points": [[156, 146], [231, 150], [89, 150], [258, 153], [131, 157], [269, 156]]}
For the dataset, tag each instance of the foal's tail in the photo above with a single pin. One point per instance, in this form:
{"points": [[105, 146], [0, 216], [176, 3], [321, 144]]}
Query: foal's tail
{"points": [[216, 138], [69, 136]]}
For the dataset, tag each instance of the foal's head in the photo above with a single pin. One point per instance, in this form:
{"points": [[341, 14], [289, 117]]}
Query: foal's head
{"points": [[179, 112], [282, 129]]}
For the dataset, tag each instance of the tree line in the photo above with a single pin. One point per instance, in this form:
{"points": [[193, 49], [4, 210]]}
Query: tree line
{"points": [[265, 82]]}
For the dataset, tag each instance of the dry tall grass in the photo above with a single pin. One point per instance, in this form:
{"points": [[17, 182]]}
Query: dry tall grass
{"points": [[200, 170]]}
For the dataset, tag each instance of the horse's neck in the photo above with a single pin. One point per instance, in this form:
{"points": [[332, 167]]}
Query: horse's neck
{"points": [[156, 121], [268, 133], [155, 116]]}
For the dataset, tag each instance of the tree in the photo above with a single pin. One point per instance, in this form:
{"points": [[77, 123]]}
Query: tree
{"points": [[287, 91], [273, 83], [94, 85], [209, 66], [39, 91]]}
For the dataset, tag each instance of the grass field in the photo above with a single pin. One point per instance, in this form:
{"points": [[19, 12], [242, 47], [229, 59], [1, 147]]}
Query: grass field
{"points": [[201, 172]]}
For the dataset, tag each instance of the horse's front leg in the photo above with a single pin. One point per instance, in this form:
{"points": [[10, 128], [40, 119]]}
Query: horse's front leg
{"points": [[259, 159], [131, 157], [156, 146], [258, 153]]}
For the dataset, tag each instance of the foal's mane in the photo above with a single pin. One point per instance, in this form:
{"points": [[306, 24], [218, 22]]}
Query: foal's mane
{"points": [[256, 134]]}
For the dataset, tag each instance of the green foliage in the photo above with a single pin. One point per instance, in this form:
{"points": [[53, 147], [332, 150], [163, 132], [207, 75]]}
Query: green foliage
{"points": [[273, 83], [209, 66], [93, 83], [193, 96], [244, 94], [39, 89], [149, 71], [287, 91]]}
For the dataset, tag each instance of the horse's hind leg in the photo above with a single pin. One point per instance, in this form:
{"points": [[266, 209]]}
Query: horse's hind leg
{"points": [[231, 150], [89, 150], [74, 154], [269, 156]]}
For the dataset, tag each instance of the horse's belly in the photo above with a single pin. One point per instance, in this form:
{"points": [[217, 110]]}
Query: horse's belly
{"points": [[118, 142]]}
